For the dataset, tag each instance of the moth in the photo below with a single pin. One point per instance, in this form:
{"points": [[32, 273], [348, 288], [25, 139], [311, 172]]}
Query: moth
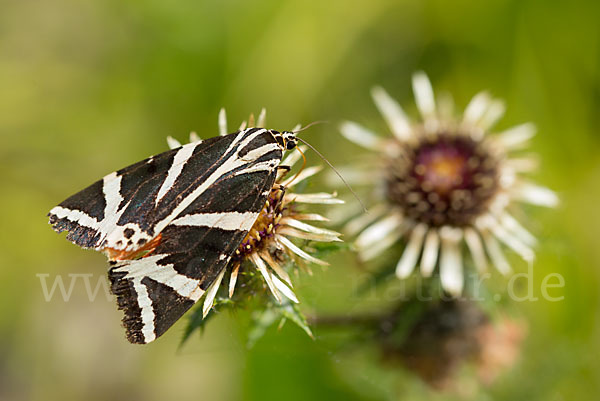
{"points": [[171, 223]]}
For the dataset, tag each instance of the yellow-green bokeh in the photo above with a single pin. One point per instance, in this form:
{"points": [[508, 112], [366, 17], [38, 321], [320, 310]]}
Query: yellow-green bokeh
{"points": [[87, 87]]}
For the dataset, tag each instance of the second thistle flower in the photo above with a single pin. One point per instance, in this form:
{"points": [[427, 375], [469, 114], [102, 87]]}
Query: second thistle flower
{"points": [[444, 180]]}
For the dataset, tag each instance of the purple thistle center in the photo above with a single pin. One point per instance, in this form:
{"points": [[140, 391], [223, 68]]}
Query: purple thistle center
{"points": [[444, 180]]}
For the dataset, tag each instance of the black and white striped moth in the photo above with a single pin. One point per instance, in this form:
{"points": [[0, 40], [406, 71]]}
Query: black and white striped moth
{"points": [[171, 223]]}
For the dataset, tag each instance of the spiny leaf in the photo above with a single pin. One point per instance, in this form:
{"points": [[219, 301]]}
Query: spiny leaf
{"points": [[261, 322], [266, 318], [292, 312], [196, 322], [322, 249]]}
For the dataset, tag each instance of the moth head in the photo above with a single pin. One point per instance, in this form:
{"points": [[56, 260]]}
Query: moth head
{"points": [[286, 139]]}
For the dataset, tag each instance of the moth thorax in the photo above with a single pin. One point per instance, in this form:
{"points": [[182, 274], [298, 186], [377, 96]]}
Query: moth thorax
{"points": [[265, 226], [447, 178]]}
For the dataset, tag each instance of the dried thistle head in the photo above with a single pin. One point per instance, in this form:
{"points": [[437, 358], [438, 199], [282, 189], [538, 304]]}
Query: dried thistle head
{"points": [[446, 336]]}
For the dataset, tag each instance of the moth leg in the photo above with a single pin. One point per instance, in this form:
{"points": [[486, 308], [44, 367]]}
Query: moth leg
{"points": [[284, 170], [281, 189]]}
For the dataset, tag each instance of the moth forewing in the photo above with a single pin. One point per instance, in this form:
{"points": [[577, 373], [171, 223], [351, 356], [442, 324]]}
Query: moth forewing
{"points": [[170, 223], [129, 207]]}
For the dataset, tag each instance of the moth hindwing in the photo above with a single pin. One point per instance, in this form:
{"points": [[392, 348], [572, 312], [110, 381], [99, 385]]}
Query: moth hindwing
{"points": [[171, 223]]}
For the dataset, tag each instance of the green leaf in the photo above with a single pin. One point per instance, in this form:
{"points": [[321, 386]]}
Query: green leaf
{"points": [[292, 312], [282, 313], [322, 249], [261, 322], [196, 322]]}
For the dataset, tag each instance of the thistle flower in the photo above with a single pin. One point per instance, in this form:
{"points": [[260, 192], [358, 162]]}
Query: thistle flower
{"points": [[448, 334], [443, 181], [268, 245]]}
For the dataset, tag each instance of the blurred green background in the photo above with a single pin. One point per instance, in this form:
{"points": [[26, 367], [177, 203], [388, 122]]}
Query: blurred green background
{"points": [[91, 86]]}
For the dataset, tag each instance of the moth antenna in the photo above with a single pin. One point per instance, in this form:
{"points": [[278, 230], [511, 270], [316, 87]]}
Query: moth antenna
{"points": [[310, 125], [333, 168]]}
